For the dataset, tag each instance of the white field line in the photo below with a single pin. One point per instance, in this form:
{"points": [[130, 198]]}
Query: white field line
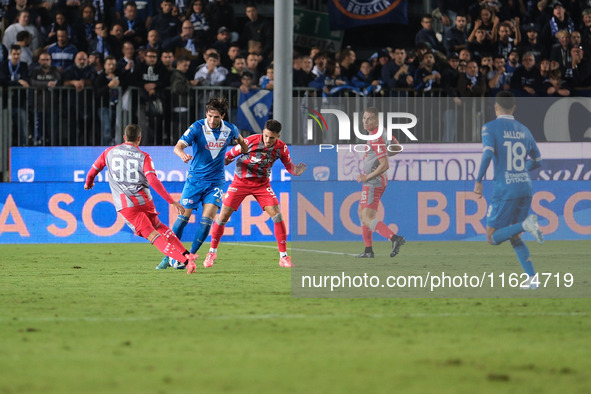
{"points": [[292, 317], [296, 249]]}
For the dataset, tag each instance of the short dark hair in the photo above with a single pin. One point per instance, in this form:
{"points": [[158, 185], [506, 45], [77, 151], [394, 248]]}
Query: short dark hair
{"points": [[219, 104], [273, 125], [372, 110], [132, 132], [247, 74], [505, 100], [15, 47], [22, 35]]}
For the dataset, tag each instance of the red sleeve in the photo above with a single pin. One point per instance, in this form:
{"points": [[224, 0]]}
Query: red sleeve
{"points": [[97, 167], [234, 152], [159, 187], [286, 159]]}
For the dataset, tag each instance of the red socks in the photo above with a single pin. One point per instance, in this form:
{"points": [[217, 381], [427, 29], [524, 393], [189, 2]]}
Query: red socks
{"points": [[281, 235], [366, 233]]}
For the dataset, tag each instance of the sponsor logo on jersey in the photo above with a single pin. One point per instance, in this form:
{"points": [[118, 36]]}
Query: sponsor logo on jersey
{"points": [[215, 145]]}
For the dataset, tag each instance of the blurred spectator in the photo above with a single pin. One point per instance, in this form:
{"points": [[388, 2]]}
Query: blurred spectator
{"points": [[145, 10], [559, 21], [103, 43], [107, 96], [456, 38], [561, 51], [23, 39], [185, 44], [332, 84], [449, 84], [266, 81], [498, 79], [133, 27], [526, 80], [233, 78], [512, 62], [84, 27], [383, 57], [126, 65], [479, 45], [211, 74], [396, 73], [364, 80], [246, 80], [14, 73], [197, 15], [165, 23], [544, 66], [580, 69], [233, 51], [304, 75], [532, 43], [427, 35], [44, 78], [426, 77], [180, 87], [503, 40], [258, 28], [167, 59], [449, 10], [22, 23], [347, 59], [556, 86], [222, 43], [154, 41], [59, 23], [471, 83], [585, 28], [78, 103], [252, 63], [486, 20], [62, 52]]}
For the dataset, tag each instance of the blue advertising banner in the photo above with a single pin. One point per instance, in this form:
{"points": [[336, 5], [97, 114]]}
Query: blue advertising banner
{"points": [[315, 211], [66, 213], [345, 14], [70, 164]]}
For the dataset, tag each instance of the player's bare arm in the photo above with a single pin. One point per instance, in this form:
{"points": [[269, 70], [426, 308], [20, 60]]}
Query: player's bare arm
{"points": [[179, 208], [383, 167], [242, 144], [179, 150], [299, 169], [478, 189]]}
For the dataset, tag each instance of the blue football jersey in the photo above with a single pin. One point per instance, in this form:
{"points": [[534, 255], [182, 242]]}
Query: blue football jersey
{"points": [[209, 148], [511, 143]]}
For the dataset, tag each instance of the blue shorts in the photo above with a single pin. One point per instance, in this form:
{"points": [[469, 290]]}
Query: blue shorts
{"points": [[503, 213], [204, 192]]}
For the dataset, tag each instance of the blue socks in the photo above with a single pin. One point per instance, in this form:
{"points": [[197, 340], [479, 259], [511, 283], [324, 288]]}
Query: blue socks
{"points": [[179, 225], [503, 234], [202, 233], [522, 253]]}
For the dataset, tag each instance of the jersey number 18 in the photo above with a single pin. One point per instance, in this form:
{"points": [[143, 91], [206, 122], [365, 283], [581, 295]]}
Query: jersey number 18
{"points": [[515, 156]]}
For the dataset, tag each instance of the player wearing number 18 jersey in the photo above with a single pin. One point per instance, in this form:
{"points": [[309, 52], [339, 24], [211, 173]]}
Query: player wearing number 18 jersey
{"points": [[251, 177], [131, 173], [509, 143]]}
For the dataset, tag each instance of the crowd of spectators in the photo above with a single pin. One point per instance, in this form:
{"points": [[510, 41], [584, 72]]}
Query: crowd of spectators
{"points": [[534, 48]]}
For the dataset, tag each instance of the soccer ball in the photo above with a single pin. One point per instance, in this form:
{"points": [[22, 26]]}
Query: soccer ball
{"points": [[176, 264]]}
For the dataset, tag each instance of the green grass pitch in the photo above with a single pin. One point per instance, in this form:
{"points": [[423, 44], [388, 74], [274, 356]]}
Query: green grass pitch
{"points": [[101, 319]]}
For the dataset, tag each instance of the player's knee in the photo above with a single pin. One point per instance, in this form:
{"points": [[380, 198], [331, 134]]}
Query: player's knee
{"points": [[277, 218]]}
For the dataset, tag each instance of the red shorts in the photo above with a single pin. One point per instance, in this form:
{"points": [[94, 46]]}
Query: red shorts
{"points": [[142, 219], [238, 191], [370, 196]]}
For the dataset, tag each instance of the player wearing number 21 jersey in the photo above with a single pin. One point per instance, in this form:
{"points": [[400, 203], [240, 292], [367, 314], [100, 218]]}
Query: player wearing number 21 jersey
{"points": [[131, 173], [251, 177], [508, 143], [208, 139]]}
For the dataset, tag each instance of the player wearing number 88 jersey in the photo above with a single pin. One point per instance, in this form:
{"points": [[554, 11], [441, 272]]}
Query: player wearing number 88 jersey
{"points": [[131, 173], [509, 144]]}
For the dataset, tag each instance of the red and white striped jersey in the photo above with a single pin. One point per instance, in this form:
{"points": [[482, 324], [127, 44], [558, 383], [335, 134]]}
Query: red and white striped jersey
{"points": [[256, 164], [127, 170]]}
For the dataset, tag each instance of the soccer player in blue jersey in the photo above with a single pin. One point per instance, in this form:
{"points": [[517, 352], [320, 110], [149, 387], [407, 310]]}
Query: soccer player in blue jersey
{"points": [[209, 139], [509, 143]]}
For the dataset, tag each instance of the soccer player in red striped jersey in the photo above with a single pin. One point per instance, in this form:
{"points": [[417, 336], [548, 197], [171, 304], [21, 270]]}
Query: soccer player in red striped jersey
{"points": [[131, 173], [251, 177], [375, 180]]}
